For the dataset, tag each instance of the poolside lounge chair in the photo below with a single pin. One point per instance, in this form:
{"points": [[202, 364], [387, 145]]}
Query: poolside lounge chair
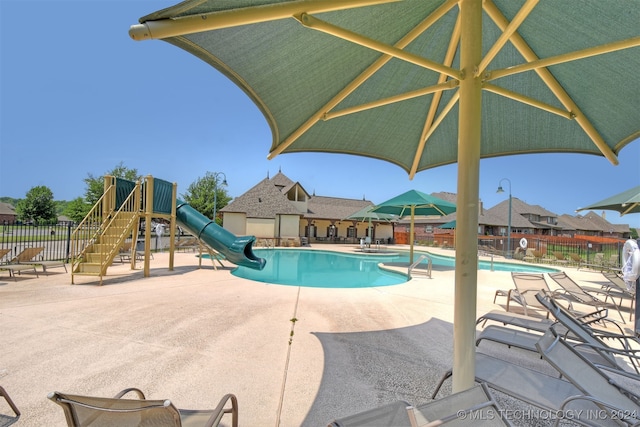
{"points": [[515, 319], [477, 401], [27, 257], [12, 268], [596, 340], [526, 286], [617, 285], [596, 387], [560, 259], [83, 411], [594, 349], [572, 290], [531, 386], [13, 406], [528, 256]]}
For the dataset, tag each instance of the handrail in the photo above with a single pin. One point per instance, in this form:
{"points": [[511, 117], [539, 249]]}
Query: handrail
{"points": [[419, 260], [89, 229]]}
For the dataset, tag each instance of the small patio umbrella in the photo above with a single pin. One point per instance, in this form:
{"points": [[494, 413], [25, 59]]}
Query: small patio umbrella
{"points": [[414, 203], [626, 202], [449, 225], [367, 214], [423, 83]]}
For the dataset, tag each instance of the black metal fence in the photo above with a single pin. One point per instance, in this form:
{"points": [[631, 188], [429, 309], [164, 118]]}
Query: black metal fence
{"points": [[53, 238]]}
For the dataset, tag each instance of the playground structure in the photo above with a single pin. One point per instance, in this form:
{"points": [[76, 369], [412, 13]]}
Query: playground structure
{"points": [[115, 219]]}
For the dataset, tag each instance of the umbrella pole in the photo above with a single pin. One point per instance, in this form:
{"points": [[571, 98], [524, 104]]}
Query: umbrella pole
{"points": [[413, 210], [470, 119]]}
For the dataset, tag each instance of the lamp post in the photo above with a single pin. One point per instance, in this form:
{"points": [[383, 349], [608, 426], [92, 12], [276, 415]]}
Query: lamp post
{"points": [[215, 191], [500, 190]]}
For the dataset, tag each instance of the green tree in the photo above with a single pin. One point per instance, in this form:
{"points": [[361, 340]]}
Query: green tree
{"points": [[202, 193], [76, 209], [95, 185], [38, 206]]}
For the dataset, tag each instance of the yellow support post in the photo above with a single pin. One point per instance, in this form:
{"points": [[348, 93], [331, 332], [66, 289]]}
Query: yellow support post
{"points": [[172, 236], [470, 123], [147, 223]]}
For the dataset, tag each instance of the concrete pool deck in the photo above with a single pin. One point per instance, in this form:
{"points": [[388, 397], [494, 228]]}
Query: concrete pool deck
{"points": [[193, 334]]}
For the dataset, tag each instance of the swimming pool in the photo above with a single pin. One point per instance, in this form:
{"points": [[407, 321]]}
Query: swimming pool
{"points": [[327, 269]]}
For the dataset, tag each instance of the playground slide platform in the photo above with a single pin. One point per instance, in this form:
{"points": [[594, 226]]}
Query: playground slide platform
{"points": [[236, 249]]}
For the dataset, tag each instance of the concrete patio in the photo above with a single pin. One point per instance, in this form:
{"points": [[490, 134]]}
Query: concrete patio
{"points": [[293, 356]]}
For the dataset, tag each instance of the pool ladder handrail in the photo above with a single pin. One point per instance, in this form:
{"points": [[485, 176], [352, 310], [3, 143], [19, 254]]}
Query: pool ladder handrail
{"points": [[418, 261]]}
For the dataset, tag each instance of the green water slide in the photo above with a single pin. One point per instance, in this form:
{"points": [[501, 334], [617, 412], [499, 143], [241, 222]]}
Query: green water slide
{"points": [[236, 249]]}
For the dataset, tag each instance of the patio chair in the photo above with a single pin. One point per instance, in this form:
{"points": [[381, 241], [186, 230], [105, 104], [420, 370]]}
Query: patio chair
{"points": [[560, 258], [474, 407], [595, 340], [536, 388], [12, 268], [13, 406], [515, 319], [526, 286], [586, 343], [595, 385], [27, 257], [572, 290], [81, 411]]}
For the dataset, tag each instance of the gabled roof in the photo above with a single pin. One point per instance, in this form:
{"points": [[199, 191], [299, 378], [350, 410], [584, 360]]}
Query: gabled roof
{"points": [[334, 207], [500, 213], [603, 225], [264, 200], [7, 209]]}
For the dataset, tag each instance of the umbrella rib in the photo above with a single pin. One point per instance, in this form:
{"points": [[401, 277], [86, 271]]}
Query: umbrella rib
{"points": [[180, 26], [325, 27], [438, 88], [566, 57], [364, 76], [529, 55], [515, 23], [428, 127], [527, 100]]}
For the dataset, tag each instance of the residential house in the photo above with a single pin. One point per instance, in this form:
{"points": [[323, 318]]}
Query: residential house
{"points": [[281, 210], [7, 213]]}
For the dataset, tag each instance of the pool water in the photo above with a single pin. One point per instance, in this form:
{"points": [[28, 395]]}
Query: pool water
{"points": [[326, 269], [320, 269]]}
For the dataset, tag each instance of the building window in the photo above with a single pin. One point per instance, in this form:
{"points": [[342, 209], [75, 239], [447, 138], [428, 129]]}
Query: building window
{"points": [[428, 229], [351, 232]]}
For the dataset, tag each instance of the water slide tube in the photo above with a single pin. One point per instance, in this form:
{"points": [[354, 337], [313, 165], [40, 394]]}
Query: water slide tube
{"points": [[235, 249]]}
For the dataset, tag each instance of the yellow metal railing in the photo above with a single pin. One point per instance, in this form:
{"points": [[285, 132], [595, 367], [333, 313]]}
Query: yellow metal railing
{"points": [[98, 238], [89, 230]]}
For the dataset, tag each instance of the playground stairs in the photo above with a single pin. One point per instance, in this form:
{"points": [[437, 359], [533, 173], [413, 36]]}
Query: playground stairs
{"points": [[101, 235]]}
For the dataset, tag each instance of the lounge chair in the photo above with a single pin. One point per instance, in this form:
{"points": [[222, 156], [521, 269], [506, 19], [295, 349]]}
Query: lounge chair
{"points": [[573, 291], [12, 268], [560, 258], [615, 287], [595, 340], [27, 257], [598, 353], [528, 256], [474, 407], [83, 411], [526, 286], [515, 319], [12, 405], [597, 388], [528, 385]]}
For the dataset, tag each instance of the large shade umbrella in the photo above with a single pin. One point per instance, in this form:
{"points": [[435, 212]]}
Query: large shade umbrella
{"points": [[414, 203], [422, 83], [626, 202]]}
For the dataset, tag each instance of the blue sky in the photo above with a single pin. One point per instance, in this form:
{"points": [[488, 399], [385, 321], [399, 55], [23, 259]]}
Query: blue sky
{"points": [[78, 96]]}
